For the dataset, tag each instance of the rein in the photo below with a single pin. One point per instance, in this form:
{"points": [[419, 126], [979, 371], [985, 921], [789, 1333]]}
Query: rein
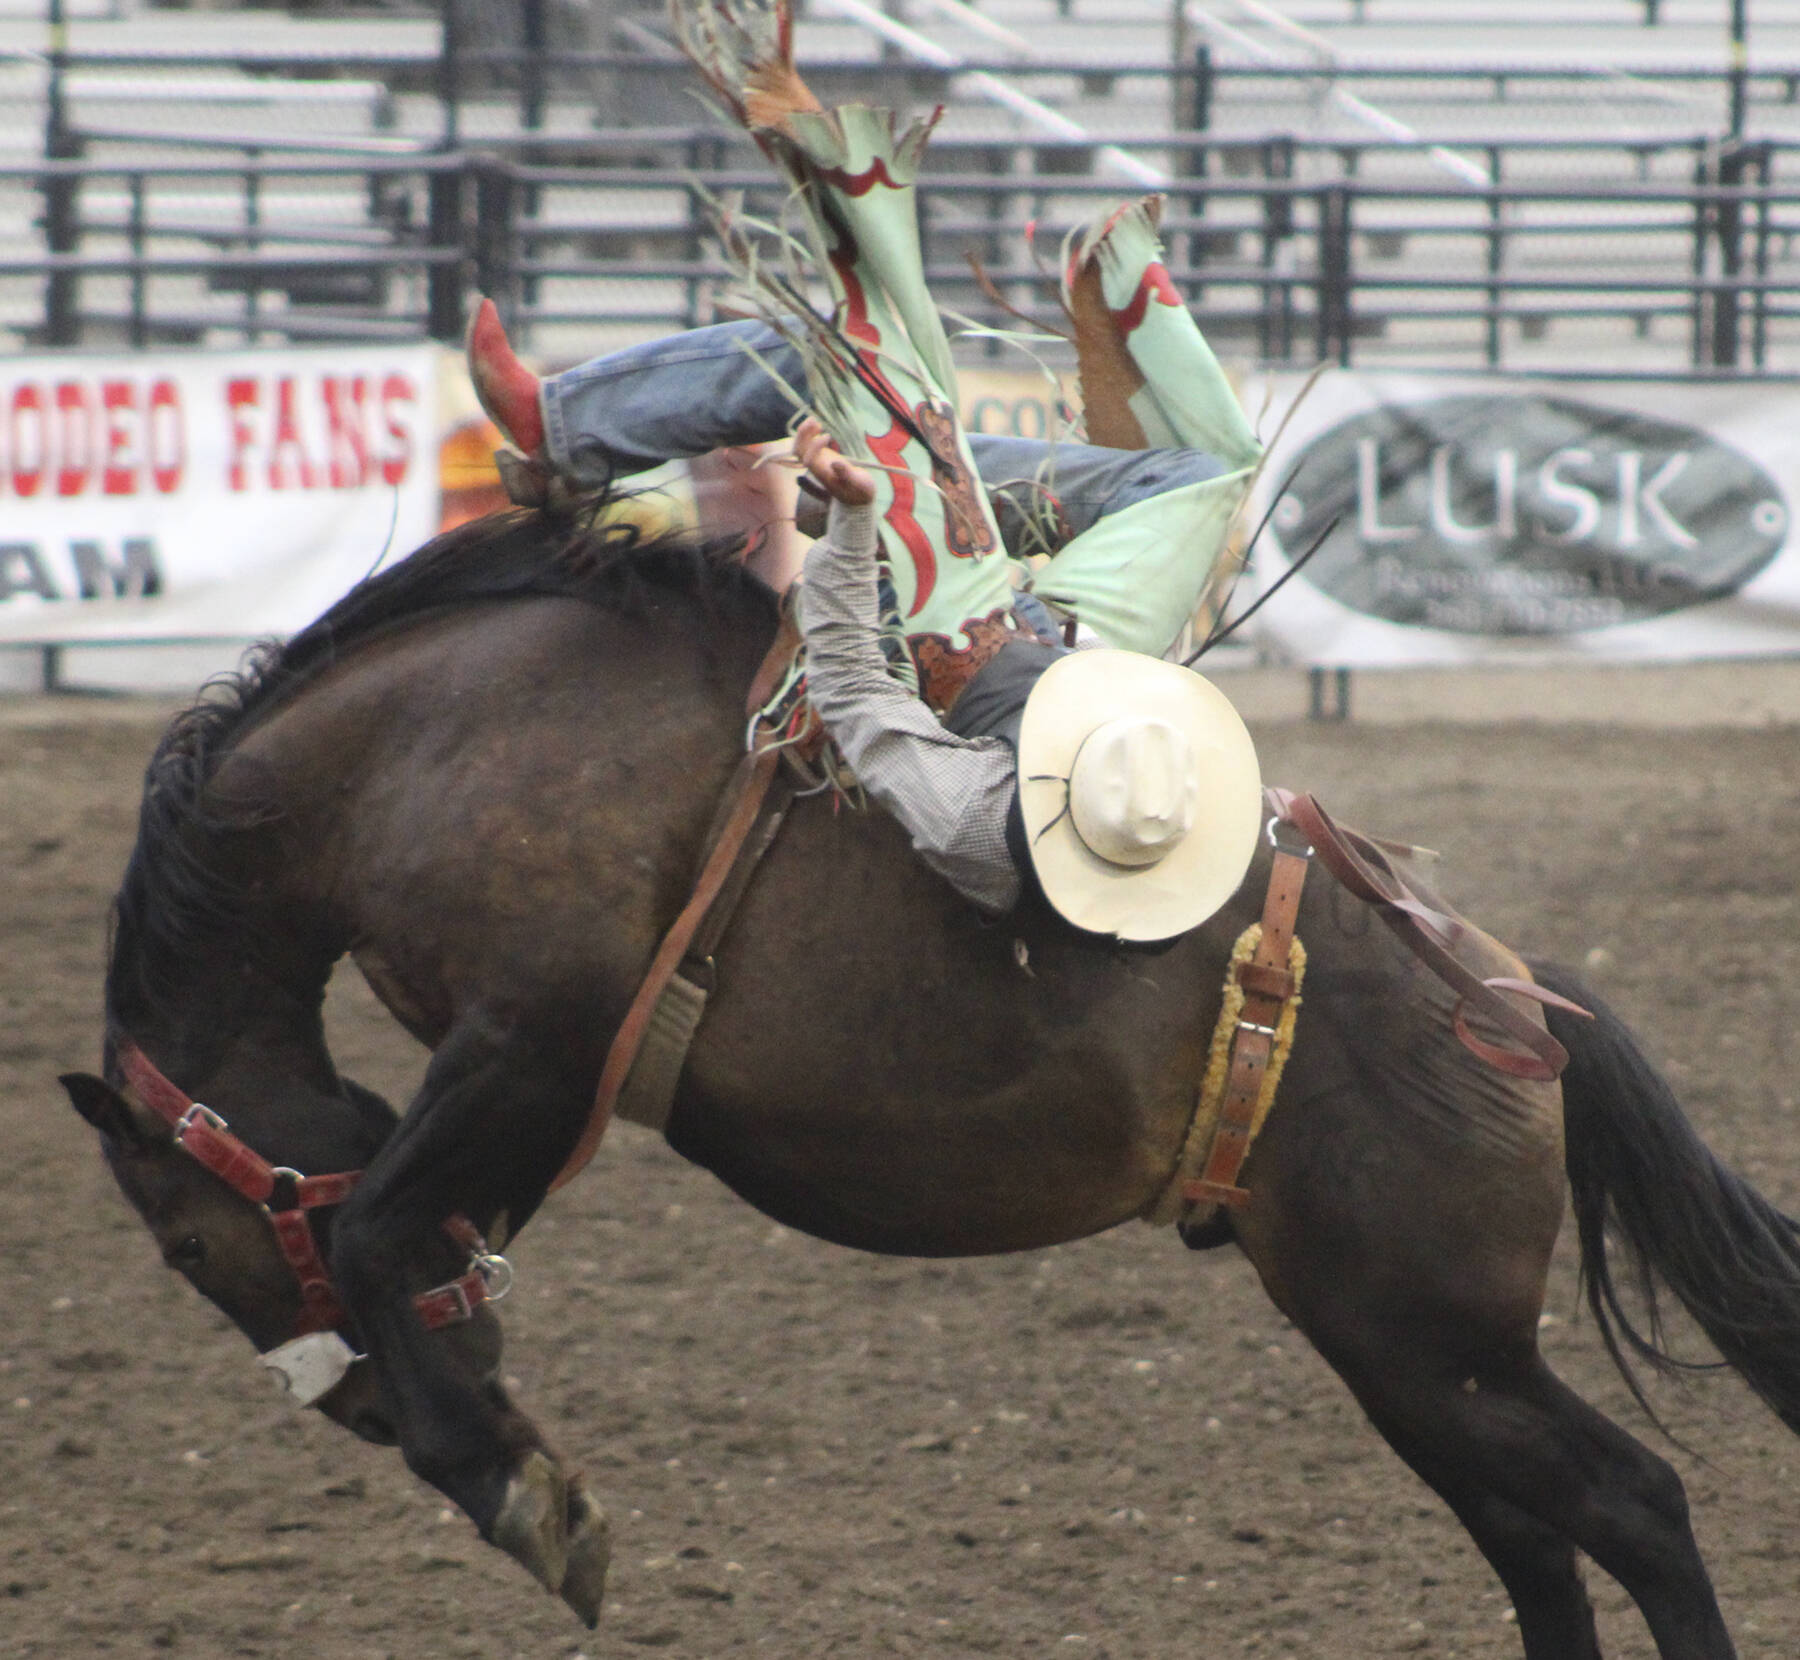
{"points": [[285, 1196]]}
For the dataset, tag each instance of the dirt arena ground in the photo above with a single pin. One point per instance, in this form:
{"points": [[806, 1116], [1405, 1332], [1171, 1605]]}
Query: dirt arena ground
{"points": [[1113, 1451]]}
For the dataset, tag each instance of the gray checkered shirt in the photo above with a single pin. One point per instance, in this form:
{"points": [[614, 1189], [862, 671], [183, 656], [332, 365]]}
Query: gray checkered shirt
{"points": [[950, 794]]}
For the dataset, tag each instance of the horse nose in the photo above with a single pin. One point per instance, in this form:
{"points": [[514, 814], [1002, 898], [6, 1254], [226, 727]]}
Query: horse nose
{"points": [[371, 1425], [358, 1406]]}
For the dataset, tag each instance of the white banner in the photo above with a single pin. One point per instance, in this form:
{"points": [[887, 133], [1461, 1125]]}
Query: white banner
{"points": [[207, 495], [1491, 520]]}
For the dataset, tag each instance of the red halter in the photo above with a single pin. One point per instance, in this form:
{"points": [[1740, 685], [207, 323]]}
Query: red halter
{"points": [[286, 1196]]}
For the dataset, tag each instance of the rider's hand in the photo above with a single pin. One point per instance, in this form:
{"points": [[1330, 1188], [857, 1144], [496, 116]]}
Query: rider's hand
{"points": [[840, 479]]}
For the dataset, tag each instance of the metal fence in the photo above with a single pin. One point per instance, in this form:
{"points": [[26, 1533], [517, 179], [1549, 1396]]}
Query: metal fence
{"points": [[1654, 252], [1294, 254]]}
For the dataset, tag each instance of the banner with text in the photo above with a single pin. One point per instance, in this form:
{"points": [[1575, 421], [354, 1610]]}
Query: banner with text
{"points": [[207, 495], [1504, 520]]}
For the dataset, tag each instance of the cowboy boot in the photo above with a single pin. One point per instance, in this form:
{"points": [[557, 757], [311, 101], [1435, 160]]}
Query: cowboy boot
{"points": [[1148, 378], [509, 393]]}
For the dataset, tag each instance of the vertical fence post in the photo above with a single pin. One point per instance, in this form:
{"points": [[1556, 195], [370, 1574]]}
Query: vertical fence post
{"points": [[1728, 223], [444, 188], [496, 234], [1206, 86], [1334, 322], [534, 98], [1740, 66], [534, 82], [693, 244], [999, 163], [1759, 336], [1496, 264], [1275, 327], [140, 333], [61, 184], [1701, 311], [1192, 160], [449, 74], [252, 240], [444, 284]]}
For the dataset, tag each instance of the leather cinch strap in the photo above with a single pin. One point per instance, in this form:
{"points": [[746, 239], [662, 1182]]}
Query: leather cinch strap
{"points": [[1299, 830], [1268, 984]]}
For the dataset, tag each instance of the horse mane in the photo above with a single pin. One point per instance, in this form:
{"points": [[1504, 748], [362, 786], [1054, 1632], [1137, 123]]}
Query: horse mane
{"points": [[178, 897]]}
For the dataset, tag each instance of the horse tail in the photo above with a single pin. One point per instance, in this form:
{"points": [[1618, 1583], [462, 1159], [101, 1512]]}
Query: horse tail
{"points": [[1641, 1175]]}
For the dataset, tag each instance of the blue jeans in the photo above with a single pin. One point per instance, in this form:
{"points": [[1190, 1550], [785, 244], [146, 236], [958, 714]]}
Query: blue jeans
{"points": [[670, 399]]}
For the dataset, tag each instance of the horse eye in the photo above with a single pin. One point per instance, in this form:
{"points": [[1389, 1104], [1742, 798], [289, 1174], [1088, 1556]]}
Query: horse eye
{"points": [[186, 1253]]}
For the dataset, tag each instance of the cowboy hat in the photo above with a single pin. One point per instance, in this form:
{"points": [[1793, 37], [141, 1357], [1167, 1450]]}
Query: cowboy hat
{"points": [[1140, 793]]}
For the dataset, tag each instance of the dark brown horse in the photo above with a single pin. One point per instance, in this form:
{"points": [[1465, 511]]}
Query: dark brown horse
{"points": [[487, 774]]}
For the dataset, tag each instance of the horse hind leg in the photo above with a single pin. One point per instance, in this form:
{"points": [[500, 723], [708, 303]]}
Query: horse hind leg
{"points": [[1535, 1563], [1524, 1461]]}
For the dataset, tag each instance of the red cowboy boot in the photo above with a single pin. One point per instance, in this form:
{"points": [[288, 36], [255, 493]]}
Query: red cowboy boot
{"points": [[507, 390]]}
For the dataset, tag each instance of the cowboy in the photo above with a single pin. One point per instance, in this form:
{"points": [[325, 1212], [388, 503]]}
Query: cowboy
{"points": [[1125, 785]]}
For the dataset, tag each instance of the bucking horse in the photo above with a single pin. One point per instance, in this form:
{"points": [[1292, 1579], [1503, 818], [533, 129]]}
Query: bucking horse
{"points": [[488, 776]]}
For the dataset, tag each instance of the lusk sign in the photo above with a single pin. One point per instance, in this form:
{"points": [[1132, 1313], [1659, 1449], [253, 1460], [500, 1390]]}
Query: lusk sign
{"points": [[1528, 514]]}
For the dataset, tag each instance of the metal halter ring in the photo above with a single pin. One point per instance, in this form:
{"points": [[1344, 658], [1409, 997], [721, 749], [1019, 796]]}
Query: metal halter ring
{"points": [[496, 1273]]}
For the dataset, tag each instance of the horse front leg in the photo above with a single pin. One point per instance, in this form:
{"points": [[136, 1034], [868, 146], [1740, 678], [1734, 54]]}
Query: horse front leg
{"points": [[482, 1139]]}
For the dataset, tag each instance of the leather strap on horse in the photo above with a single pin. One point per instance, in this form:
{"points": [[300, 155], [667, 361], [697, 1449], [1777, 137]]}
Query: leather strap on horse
{"points": [[668, 999], [1431, 935], [286, 1196], [1268, 984], [644, 1062]]}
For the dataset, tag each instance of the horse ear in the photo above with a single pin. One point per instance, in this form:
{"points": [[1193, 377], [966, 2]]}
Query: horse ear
{"points": [[108, 1111]]}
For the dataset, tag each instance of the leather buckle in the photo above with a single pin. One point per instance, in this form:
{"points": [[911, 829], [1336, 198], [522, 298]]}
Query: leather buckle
{"points": [[199, 1114], [1297, 845]]}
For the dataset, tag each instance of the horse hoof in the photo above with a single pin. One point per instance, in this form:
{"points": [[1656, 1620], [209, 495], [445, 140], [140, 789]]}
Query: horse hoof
{"points": [[532, 1526], [590, 1550]]}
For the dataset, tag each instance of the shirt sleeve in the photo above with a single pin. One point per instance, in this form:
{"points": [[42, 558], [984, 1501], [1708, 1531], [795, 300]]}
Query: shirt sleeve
{"points": [[950, 794]]}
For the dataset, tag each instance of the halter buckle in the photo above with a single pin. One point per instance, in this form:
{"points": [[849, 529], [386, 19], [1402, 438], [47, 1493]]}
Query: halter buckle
{"points": [[1303, 849], [197, 1113]]}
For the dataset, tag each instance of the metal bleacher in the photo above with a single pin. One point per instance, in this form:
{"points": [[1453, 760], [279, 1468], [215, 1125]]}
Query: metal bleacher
{"points": [[1526, 184]]}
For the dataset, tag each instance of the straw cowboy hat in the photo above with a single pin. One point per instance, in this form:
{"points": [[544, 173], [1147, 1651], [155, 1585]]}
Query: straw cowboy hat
{"points": [[1140, 793]]}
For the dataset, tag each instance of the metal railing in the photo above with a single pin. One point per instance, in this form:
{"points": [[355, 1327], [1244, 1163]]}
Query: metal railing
{"points": [[1663, 251], [1293, 253]]}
